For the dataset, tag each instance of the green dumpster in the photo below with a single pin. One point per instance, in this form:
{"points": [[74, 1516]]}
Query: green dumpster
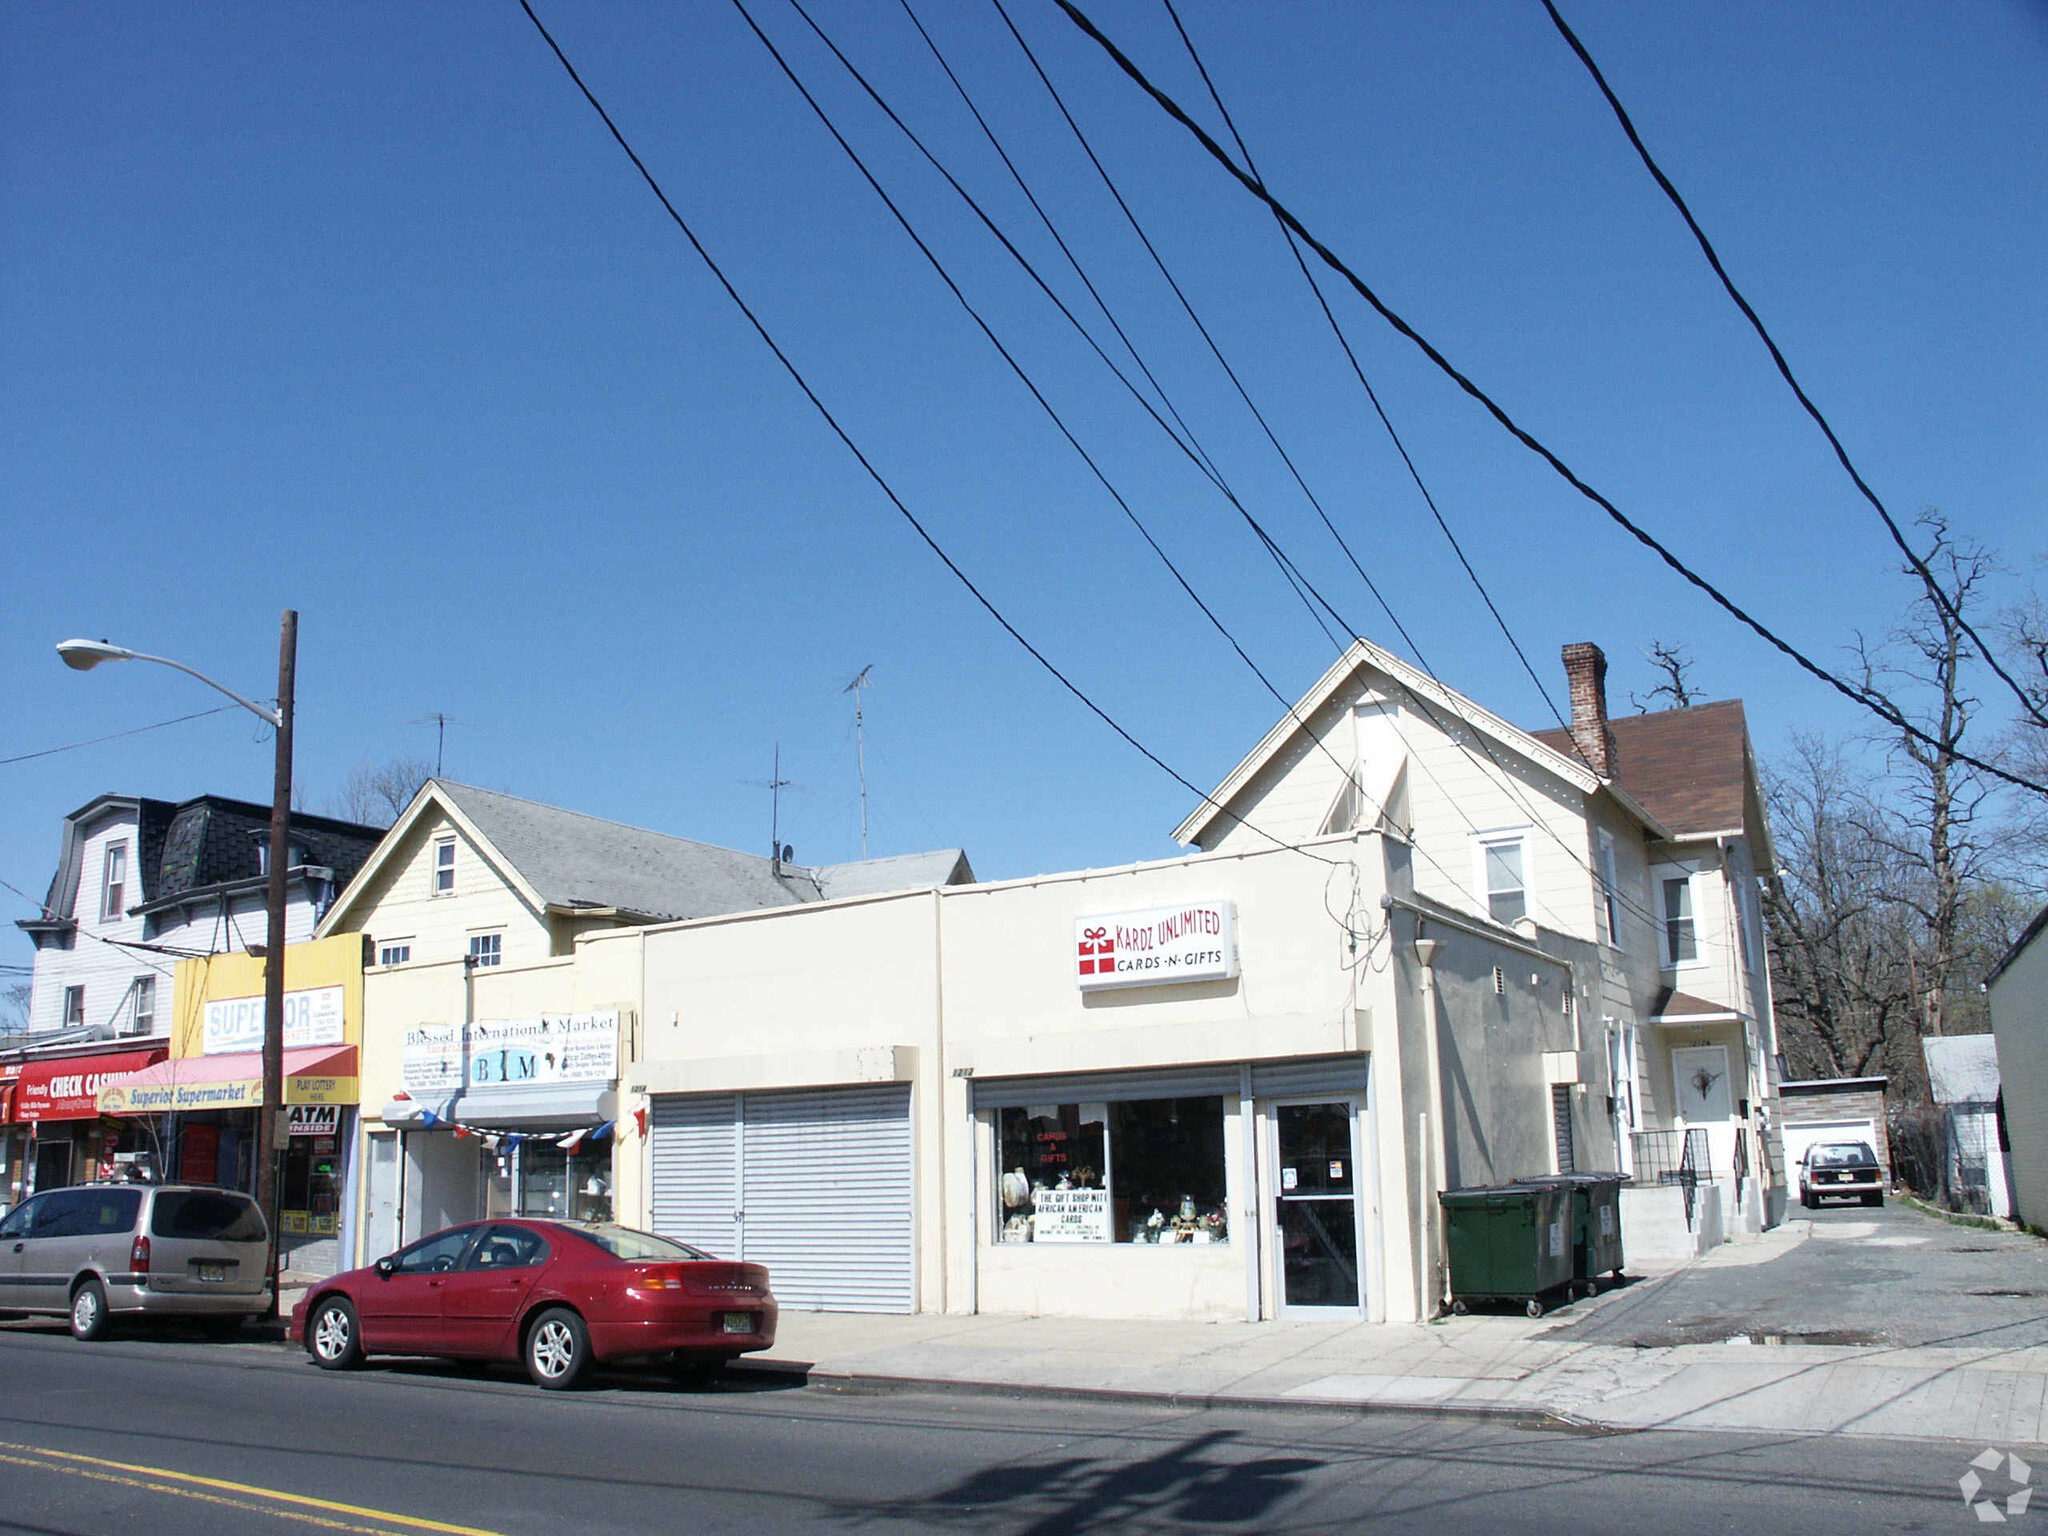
{"points": [[1594, 1226], [1507, 1244]]}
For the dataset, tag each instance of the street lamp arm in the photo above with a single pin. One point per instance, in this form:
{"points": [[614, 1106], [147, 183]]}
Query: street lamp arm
{"points": [[85, 654]]}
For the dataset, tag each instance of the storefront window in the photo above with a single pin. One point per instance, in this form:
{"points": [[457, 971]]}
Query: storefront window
{"points": [[1131, 1171], [569, 1186]]}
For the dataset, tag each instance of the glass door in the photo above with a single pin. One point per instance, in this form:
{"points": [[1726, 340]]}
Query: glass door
{"points": [[1315, 1207]]}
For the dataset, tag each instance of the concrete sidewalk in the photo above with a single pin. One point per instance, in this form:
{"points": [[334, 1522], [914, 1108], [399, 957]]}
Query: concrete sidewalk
{"points": [[1491, 1365]]}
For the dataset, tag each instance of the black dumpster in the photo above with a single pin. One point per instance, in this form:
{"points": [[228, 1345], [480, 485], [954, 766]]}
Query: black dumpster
{"points": [[1593, 1226], [1508, 1243]]}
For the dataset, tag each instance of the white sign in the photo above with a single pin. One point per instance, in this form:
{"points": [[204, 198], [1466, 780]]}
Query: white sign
{"points": [[311, 1017], [440, 1059], [313, 1119], [1070, 1216], [1159, 946]]}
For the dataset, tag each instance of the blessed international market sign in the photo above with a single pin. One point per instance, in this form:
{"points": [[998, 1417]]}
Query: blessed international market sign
{"points": [[510, 1053], [1159, 946]]}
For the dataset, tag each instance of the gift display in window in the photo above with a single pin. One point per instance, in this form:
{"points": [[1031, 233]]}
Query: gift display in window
{"points": [[1134, 1171]]}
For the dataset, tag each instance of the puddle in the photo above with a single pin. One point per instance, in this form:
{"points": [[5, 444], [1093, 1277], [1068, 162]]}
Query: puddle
{"points": [[1838, 1336], [2004, 1293]]}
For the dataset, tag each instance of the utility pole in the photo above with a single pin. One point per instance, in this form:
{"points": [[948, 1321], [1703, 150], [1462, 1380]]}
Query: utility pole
{"points": [[860, 750], [269, 1122]]}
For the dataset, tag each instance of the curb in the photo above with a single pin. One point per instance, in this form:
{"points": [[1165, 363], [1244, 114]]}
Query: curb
{"points": [[865, 1383]]}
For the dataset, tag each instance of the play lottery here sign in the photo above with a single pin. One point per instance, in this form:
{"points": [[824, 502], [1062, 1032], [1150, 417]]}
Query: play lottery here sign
{"points": [[1159, 946]]}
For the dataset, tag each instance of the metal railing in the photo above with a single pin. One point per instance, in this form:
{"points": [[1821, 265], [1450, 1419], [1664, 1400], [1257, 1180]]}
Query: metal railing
{"points": [[1670, 1157]]}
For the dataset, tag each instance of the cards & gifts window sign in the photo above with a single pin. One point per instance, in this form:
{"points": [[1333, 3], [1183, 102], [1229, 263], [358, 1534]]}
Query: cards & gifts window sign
{"points": [[1159, 946]]}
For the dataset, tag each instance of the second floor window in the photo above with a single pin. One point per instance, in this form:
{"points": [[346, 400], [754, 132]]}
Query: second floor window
{"points": [[145, 1005], [1610, 888], [1507, 898], [1681, 942], [486, 948], [74, 1007], [444, 866], [396, 952], [114, 891]]}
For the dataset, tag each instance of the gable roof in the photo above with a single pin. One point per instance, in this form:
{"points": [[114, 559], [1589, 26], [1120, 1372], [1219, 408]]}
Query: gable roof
{"points": [[1361, 656], [900, 872], [568, 862], [1962, 1069], [1690, 768]]}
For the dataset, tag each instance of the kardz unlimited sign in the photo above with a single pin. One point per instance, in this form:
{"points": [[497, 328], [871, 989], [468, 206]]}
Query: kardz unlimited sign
{"points": [[1160, 946]]}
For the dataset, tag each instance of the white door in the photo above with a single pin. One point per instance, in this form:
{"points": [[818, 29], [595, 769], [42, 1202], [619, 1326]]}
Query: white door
{"points": [[1701, 1073], [1318, 1192], [380, 1235]]}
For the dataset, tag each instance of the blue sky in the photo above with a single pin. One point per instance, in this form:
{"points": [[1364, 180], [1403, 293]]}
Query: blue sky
{"points": [[358, 310]]}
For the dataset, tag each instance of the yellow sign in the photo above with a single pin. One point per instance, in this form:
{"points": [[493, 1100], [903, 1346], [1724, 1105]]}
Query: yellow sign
{"points": [[240, 1093]]}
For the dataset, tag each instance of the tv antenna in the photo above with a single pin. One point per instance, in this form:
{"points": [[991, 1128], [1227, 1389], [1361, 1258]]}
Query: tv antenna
{"points": [[775, 784], [860, 748], [440, 722]]}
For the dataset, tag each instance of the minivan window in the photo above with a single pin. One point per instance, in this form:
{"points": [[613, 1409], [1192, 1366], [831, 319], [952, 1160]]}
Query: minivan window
{"points": [[16, 1224], [207, 1215], [63, 1213], [108, 1211]]}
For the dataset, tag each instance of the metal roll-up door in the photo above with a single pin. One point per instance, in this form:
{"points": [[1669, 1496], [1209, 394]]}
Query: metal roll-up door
{"points": [[696, 1185], [825, 1175], [1194, 1082], [1304, 1075]]}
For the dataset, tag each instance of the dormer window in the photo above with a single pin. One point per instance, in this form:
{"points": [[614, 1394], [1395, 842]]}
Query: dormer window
{"points": [[444, 867], [114, 888]]}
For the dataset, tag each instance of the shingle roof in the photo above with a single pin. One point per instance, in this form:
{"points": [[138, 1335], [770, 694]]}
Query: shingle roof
{"points": [[900, 872], [1962, 1069], [1688, 767], [575, 860]]}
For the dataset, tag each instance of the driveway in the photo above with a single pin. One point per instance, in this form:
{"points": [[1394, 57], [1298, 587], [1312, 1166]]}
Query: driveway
{"points": [[1889, 1276]]}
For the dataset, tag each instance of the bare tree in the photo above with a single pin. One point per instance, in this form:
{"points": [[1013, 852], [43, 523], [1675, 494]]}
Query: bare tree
{"points": [[14, 1001], [1675, 662], [373, 795]]}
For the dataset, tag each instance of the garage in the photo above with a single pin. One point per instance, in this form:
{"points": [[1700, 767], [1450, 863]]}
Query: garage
{"points": [[815, 1183], [1832, 1109]]}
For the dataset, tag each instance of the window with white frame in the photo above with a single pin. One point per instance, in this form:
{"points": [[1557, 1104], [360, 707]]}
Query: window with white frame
{"points": [[74, 1007], [145, 1005], [394, 951], [114, 888], [444, 866], [1675, 909], [1502, 876], [1610, 890], [486, 948]]}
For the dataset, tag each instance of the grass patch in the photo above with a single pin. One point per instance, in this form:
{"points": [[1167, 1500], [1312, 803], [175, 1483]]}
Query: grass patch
{"points": [[1956, 1218]]}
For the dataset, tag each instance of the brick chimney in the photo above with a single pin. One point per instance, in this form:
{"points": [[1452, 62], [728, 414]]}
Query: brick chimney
{"points": [[1586, 668]]}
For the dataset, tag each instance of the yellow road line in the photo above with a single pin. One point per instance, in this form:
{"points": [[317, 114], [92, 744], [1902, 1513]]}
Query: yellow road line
{"points": [[187, 1485]]}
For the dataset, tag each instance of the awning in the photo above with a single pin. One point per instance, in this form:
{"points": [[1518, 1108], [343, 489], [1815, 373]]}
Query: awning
{"points": [[68, 1087], [313, 1074], [541, 1106]]}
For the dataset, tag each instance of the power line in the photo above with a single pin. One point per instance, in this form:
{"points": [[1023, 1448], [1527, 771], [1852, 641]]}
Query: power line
{"points": [[1934, 590], [1875, 703], [862, 459], [197, 714], [1370, 393]]}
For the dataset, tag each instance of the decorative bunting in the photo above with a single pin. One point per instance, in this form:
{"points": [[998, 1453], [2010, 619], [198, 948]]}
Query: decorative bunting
{"points": [[494, 1139]]}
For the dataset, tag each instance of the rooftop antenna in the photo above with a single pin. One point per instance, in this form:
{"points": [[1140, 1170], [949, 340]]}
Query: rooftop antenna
{"points": [[775, 784], [440, 723], [860, 749]]}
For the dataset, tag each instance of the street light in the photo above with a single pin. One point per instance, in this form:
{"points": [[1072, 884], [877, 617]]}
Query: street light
{"points": [[83, 656]]}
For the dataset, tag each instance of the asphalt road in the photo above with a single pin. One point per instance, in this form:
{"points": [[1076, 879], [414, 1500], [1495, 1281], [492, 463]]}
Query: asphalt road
{"points": [[165, 1437], [1889, 1275]]}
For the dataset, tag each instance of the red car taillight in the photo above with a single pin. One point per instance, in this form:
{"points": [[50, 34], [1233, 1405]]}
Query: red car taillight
{"points": [[658, 1277], [138, 1256]]}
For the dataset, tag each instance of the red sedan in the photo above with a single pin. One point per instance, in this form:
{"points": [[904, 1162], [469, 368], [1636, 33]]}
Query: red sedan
{"points": [[554, 1295]]}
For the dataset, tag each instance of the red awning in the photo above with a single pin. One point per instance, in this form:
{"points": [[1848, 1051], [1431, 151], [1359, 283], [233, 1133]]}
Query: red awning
{"points": [[313, 1074], [68, 1087]]}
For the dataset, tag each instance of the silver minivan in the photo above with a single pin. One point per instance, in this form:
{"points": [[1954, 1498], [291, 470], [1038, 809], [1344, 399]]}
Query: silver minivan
{"points": [[100, 1251]]}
